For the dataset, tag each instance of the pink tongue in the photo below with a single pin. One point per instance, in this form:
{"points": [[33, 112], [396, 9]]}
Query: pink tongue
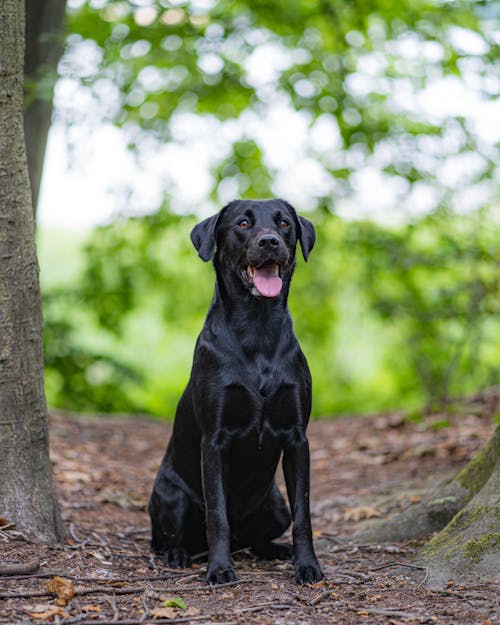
{"points": [[267, 283]]}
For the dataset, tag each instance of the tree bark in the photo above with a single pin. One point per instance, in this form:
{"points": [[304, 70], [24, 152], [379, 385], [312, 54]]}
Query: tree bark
{"points": [[468, 548], [466, 514], [44, 47], [27, 495]]}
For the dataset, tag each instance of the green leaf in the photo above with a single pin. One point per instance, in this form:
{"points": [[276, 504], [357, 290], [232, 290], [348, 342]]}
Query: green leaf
{"points": [[175, 602]]}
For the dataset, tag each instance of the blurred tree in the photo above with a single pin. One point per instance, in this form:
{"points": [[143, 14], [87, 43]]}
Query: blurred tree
{"points": [[357, 72], [439, 279], [43, 50], [27, 495], [418, 298]]}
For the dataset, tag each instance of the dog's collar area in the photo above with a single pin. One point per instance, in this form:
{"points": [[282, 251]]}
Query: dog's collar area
{"points": [[264, 280]]}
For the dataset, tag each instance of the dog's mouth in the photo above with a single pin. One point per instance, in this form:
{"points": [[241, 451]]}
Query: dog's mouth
{"points": [[264, 280]]}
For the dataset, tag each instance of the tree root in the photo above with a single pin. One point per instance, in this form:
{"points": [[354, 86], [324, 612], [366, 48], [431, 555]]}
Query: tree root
{"points": [[469, 546], [445, 502]]}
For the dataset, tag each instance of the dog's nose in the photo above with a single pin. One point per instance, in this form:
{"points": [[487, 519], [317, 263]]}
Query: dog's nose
{"points": [[268, 240]]}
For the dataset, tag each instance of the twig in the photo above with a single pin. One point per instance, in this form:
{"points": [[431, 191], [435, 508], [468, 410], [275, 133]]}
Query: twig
{"points": [[389, 612], [264, 606], [320, 597], [145, 605], [19, 568], [131, 532], [181, 619], [390, 564], [128, 591], [114, 607], [78, 591]]}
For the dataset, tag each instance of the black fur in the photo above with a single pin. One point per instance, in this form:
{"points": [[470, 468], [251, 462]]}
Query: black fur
{"points": [[248, 401]]}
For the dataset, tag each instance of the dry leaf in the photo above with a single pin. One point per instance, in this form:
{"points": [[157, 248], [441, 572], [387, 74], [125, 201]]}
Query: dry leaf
{"points": [[360, 513], [74, 477], [191, 611], [90, 608], [61, 587], [319, 584], [49, 613], [164, 613], [122, 500]]}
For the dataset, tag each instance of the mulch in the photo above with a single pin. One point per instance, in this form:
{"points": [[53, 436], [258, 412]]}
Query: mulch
{"points": [[362, 469]]}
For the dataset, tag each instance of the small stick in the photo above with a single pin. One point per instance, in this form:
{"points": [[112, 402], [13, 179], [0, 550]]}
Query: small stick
{"points": [[19, 568], [181, 619], [388, 612], [127, 591], [409, 566]]}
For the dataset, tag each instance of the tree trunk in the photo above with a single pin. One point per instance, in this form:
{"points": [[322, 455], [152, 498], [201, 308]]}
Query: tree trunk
{"points": [[445, 502], [27, 495], [469, 546], [466, 512], [44, 47]]}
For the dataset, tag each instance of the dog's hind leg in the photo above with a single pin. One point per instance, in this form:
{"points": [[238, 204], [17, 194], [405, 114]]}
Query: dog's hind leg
{"points": [[172, 518]]}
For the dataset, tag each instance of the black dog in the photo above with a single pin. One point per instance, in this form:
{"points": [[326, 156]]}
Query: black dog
{"points": [[248, 400]]}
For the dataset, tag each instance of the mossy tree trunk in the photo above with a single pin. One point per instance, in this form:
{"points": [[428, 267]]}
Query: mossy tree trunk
{"points": [[468, 548], [27, 495], [465, 511], [446, 501]]}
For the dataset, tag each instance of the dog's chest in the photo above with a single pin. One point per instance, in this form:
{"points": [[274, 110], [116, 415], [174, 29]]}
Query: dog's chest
{"points": [[264, 401]]}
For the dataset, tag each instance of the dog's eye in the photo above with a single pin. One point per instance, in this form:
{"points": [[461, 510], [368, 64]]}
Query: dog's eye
{"points": [[284, 225], [243, 224]]}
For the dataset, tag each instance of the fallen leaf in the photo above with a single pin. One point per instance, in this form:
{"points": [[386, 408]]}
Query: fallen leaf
{"points": [[61, 587], [164, 613], [50, 613], [90, 608], [361, 512], [175, 602], [122, 500], [74, 477], [319, 584], [191, 611]]}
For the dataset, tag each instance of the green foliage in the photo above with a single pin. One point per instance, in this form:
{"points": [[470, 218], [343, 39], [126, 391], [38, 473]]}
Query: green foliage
{"points": [[79, 377], [439, 279], [359, 64], [386, 315]]}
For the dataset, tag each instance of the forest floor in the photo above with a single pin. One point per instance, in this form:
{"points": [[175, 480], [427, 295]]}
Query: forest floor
{"points": [[362, 468]]}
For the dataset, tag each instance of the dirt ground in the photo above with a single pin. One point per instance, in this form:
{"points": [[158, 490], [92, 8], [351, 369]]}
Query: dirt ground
{"points": [[362, 468]]}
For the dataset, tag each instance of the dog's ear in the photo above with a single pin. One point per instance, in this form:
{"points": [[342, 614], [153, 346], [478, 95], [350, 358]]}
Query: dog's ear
{"points": [[307, 236], [306, 233], [203, 237]]}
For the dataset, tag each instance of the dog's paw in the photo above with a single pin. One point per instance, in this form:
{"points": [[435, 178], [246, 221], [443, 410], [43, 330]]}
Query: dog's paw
{"points": [[177, 558], [217, 574], [273, 551], [308, 573]]}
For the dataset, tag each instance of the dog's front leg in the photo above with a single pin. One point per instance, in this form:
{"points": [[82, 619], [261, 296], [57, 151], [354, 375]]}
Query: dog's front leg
{"points": [[220, 568], [296, 469]]}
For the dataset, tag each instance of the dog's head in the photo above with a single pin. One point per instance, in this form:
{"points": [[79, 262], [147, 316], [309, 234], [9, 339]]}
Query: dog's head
{"points": [[255, 241]]}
